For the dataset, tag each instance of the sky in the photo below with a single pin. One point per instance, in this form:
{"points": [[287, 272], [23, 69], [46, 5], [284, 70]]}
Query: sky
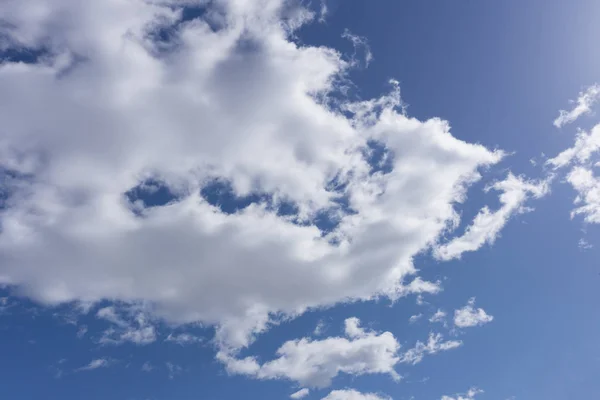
{"points": [[328, 200]]}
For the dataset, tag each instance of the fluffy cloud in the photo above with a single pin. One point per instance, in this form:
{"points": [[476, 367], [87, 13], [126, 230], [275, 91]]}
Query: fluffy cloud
{"points": [[300, 394], [314, 363], [583, 105], [486, 226], [132, 92], [469, 316], [351, 394], [469, 395]]}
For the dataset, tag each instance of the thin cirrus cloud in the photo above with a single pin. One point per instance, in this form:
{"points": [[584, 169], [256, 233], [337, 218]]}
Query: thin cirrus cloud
{"points": [[201, 109]]}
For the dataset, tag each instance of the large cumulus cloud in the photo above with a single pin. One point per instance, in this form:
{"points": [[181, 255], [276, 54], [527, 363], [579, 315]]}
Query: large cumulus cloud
{"points": [[125, 91]]}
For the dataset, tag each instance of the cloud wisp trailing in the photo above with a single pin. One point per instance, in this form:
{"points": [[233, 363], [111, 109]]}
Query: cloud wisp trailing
{"points": [[583, 105]]}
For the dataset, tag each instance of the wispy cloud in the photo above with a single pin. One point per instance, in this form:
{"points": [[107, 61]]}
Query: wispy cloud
{"points": [[300, 394], [434, 345], [352, 394], [183, 339], [173, 369], [469, 395], [583, 105], [134, 326], [414, 318], [487, 224], [95, 364]]}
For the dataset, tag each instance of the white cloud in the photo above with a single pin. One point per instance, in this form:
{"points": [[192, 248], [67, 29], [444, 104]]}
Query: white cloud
{"points": [[580, 157], [434, 345], [323, 11], [232, 97], [438, 316], [351, 394], [300, 394], [320, 328], [361, 44], [353, 329], [586, 144], [414, 318], [82, 331], [584, 244], [487, 224], [469, 316], [137, 330], [469, 395], [314, 363], [95, 364], [147, 367], [583, 106], [587, 186], [183, 339], [173, 369]]}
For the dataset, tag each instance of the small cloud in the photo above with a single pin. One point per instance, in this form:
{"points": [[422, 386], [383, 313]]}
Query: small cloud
{"points": [[433, 346], [583, 105], [315, 363], [82, 331], [414, 318], [137, 329], [183, 339], [320, 328], [173, 369], [95, 364], [147, 367], [469, 316], [439, 316], [584, 244], [485, 228], [323, 11], [300, 394], [351, 394], [470, 395]]}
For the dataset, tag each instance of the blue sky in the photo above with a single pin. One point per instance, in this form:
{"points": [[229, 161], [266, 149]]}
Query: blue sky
{"points": [[211, 200]]}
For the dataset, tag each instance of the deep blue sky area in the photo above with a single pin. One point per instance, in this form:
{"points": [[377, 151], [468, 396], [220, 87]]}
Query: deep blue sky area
{"points": [[498, 71]]}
